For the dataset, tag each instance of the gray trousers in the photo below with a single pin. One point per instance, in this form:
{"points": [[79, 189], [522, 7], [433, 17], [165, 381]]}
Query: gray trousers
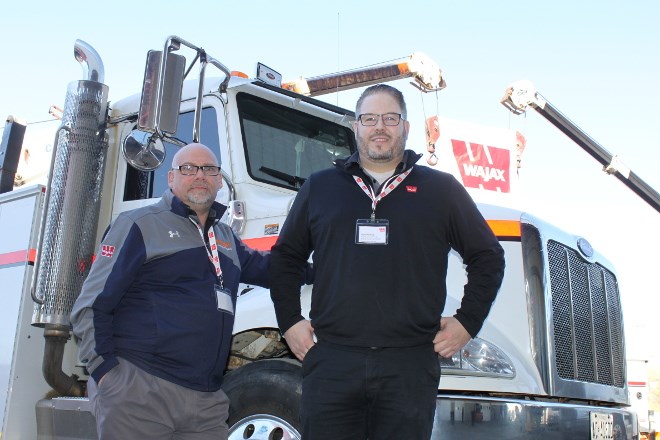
{"points": [[132, 404]]}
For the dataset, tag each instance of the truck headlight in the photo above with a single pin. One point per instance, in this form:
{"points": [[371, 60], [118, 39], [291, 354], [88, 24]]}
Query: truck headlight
{"points": [[478, 358]]}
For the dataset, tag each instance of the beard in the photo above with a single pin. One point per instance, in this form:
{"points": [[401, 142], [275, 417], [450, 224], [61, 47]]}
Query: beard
{"points": [[200, 198], [386, 153]]}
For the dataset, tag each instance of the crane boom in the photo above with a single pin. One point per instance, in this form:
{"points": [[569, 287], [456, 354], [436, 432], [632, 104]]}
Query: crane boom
{"points": [[425, 72], [522, 94]]}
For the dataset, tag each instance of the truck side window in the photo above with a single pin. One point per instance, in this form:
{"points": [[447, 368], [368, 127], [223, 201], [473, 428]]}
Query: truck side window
{"points": [[149, 184], [284, 146]]}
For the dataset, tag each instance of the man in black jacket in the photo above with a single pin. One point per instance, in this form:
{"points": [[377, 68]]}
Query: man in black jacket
{"points": [[381, 229]]}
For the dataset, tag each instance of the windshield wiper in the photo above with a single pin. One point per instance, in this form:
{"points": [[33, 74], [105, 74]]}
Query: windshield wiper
{"points": [[294, 181]]}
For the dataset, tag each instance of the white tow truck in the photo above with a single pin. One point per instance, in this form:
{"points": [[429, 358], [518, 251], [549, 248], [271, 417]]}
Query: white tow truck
{"points": [[549, 362]]}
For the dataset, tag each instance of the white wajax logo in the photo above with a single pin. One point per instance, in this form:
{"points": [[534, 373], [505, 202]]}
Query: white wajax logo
{"points": [[486, 173], [174, 234]]}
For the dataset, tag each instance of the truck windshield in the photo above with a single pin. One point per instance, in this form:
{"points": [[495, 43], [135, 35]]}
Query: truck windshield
{"points": [[284, 146]]}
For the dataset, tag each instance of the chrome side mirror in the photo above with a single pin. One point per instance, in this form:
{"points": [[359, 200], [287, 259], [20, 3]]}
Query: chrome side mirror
{"points": [[143, 151], [161, 93]]}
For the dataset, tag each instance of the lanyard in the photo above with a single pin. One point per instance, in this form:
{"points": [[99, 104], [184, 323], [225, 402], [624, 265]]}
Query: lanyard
{"points": [[388, 187], [213, 253]]}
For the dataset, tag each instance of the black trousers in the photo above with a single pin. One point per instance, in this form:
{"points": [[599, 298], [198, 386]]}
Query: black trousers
{"points": [[356, 393]]}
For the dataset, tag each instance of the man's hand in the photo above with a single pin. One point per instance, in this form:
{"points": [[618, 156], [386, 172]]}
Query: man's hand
{"points": [[451, 337], [300, 338]]}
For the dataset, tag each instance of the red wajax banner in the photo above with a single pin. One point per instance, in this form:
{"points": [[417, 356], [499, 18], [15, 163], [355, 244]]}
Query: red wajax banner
{"points": [[485, 167]]}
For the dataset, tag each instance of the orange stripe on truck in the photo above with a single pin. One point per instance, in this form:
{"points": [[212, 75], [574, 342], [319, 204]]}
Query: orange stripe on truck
{"points": [[505, 228], [501, 228], [261, 243], [23, 256]]}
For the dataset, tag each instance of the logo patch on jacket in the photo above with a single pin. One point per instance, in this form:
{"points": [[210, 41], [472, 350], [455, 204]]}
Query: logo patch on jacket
{"points": [[107, 250], [224, 244], [411, 188]]}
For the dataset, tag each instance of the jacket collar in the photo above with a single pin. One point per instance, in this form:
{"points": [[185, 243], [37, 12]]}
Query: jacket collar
{"points": [[352, 164]]}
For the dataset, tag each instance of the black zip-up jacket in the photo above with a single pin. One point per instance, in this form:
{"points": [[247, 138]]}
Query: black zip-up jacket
{"points": [[384, 295]]}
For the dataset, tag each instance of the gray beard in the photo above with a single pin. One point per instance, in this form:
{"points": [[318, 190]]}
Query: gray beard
{"points": [[200, 200]]}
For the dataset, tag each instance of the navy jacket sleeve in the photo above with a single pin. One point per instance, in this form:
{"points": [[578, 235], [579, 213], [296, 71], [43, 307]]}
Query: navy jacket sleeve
{"points": [[254, 264]]}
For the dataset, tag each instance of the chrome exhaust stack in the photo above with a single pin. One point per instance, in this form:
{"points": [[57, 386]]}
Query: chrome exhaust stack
{"points": [[71, 213], [90, 61]]}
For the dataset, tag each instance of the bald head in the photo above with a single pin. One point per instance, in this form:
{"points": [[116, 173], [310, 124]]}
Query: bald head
{"points": [[190, 149]]}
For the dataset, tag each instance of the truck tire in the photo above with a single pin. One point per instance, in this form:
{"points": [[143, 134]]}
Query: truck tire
{"points": [[264, 400]]}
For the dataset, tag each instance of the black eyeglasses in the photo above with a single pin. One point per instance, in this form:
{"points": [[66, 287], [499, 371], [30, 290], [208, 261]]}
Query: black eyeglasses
{"points": [[191, 170], [371, 119]]}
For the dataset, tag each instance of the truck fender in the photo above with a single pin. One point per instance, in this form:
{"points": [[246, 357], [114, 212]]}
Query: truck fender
{"points": [[254, 309]]}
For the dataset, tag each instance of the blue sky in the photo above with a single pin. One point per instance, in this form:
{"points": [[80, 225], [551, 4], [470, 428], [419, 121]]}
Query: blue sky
{"points": [[598, 62]]}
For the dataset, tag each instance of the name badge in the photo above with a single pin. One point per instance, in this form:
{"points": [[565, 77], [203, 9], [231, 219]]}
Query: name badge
{"points": [[369, 231], [223, 299]]}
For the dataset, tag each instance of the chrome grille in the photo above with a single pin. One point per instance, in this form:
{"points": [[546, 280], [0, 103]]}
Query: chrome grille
{"points": [[588, 332]]}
